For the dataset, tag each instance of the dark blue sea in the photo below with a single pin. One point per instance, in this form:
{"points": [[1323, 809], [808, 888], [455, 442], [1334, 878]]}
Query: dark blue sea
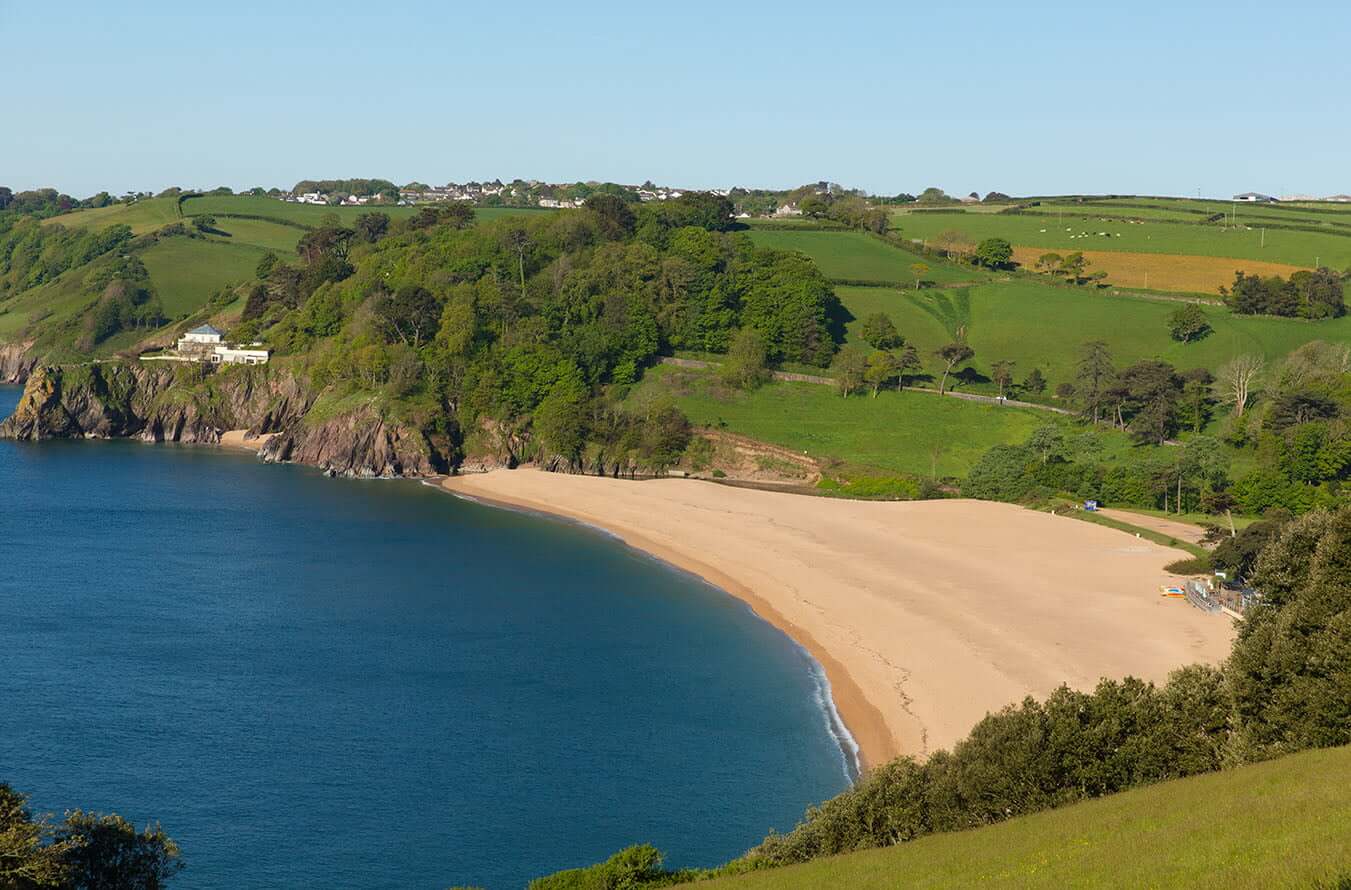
{"points": [[329, 683]]}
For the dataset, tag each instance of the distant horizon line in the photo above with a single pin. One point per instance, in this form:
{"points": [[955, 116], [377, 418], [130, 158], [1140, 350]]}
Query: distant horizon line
{"points": [[239, 190]]}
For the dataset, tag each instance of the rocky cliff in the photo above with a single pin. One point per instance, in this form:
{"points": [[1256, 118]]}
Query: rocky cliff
{"points": [[192, 403], [16, 362]]}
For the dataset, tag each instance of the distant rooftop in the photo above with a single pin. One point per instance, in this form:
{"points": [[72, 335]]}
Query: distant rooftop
{"points": [[206, 329]]}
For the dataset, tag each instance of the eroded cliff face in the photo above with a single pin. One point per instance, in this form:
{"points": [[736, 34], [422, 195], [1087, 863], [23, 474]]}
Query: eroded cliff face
{"points": [[190, 403], [16, 362], [358, 444]]}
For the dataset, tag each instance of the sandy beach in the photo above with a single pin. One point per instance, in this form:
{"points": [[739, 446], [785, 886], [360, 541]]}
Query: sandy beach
{"points": [[925, 615], [237, 439]]}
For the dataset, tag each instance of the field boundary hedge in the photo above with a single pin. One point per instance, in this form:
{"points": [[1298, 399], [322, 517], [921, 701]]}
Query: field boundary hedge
{"points": [[258, 217]]}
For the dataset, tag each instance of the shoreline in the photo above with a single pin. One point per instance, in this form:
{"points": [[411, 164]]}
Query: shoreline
{"points": [[861, 722], [913, 654]]}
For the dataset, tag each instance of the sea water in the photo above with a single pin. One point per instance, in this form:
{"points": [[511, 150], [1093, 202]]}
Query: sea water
{"points": [[331, 683]]}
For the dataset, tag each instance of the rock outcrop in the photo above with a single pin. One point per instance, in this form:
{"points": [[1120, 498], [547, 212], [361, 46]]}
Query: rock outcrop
{"points": [[357, 444], [192, 403], [16, 362]]}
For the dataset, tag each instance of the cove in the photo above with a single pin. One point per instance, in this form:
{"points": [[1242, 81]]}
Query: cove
{"points": [[334, 683]]}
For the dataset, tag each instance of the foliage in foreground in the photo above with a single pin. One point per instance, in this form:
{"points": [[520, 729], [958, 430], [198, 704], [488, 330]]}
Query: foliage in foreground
{"points": [[1280, 823], [1286, 687], [86, 851]]}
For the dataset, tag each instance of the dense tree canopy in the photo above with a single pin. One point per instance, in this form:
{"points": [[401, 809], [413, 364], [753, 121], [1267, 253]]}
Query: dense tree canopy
{"points": [[521, 333], [1316, 294]]}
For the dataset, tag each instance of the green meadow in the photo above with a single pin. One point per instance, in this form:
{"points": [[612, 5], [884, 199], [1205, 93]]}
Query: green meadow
{"points": [[1042, 326], [187, 271], [861, 257], [1074, 229], [143, 216], [1281, 824], [904, 432], [265, 234]]}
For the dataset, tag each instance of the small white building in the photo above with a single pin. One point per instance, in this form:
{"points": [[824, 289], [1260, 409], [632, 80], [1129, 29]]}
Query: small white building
{"points": [[1255, 198], [200, 339], [207, 344], [234, 355]]}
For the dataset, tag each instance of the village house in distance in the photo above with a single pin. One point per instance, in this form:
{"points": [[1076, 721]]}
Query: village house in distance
{"points": [[207, 344]]}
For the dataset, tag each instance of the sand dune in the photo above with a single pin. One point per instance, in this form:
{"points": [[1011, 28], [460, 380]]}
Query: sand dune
{"points": [[925, 615]]}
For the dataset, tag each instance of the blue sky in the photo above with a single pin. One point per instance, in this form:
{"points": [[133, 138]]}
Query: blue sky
{"points": [[1030, 98]]}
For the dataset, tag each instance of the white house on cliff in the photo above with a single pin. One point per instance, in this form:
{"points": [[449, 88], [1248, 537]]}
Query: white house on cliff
{"points": [[207, 344]]}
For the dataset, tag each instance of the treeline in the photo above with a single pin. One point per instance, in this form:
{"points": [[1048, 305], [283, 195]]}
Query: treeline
{"points": [[1291, 421], [32, 253], [36, 202], [521, 335], [851, 210], [1284, 688], [359, 187], [126, 301], [1305, 294], [85, 851]]}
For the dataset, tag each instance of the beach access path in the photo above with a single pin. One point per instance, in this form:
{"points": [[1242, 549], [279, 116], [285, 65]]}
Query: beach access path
{"points": [[926, 615]]}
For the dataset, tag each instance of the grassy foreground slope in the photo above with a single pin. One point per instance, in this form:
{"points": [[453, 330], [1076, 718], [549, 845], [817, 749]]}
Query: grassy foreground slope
{"points": [[1284, 823]]}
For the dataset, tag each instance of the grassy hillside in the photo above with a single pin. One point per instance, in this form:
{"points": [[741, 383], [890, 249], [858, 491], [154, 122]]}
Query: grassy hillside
{"points": [[1075, 229], [145, 215], [1285, 823], [859, 256], [186, 272], [896, 432]]}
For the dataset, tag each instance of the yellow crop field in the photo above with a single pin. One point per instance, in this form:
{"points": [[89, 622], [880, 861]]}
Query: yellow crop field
{"points": [[1163, 271]]}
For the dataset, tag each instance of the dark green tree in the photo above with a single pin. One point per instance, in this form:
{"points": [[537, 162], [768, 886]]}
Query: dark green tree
{"points": [[879, 332], [994, 253], [409, 315], [745, 365], [1095, 376], [371, 227], [1188, 323], [615, 220]]}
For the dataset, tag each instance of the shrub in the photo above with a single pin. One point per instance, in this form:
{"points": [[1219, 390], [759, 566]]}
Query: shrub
{"points": [[1197, 565]]}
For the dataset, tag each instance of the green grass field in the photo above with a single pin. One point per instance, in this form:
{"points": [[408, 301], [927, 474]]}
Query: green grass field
{"points": [[858, 256], [1281, 824], [1054, 233], [145, 215], [1043, 326], [897, 431], [259, 233], [187, 271]]}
